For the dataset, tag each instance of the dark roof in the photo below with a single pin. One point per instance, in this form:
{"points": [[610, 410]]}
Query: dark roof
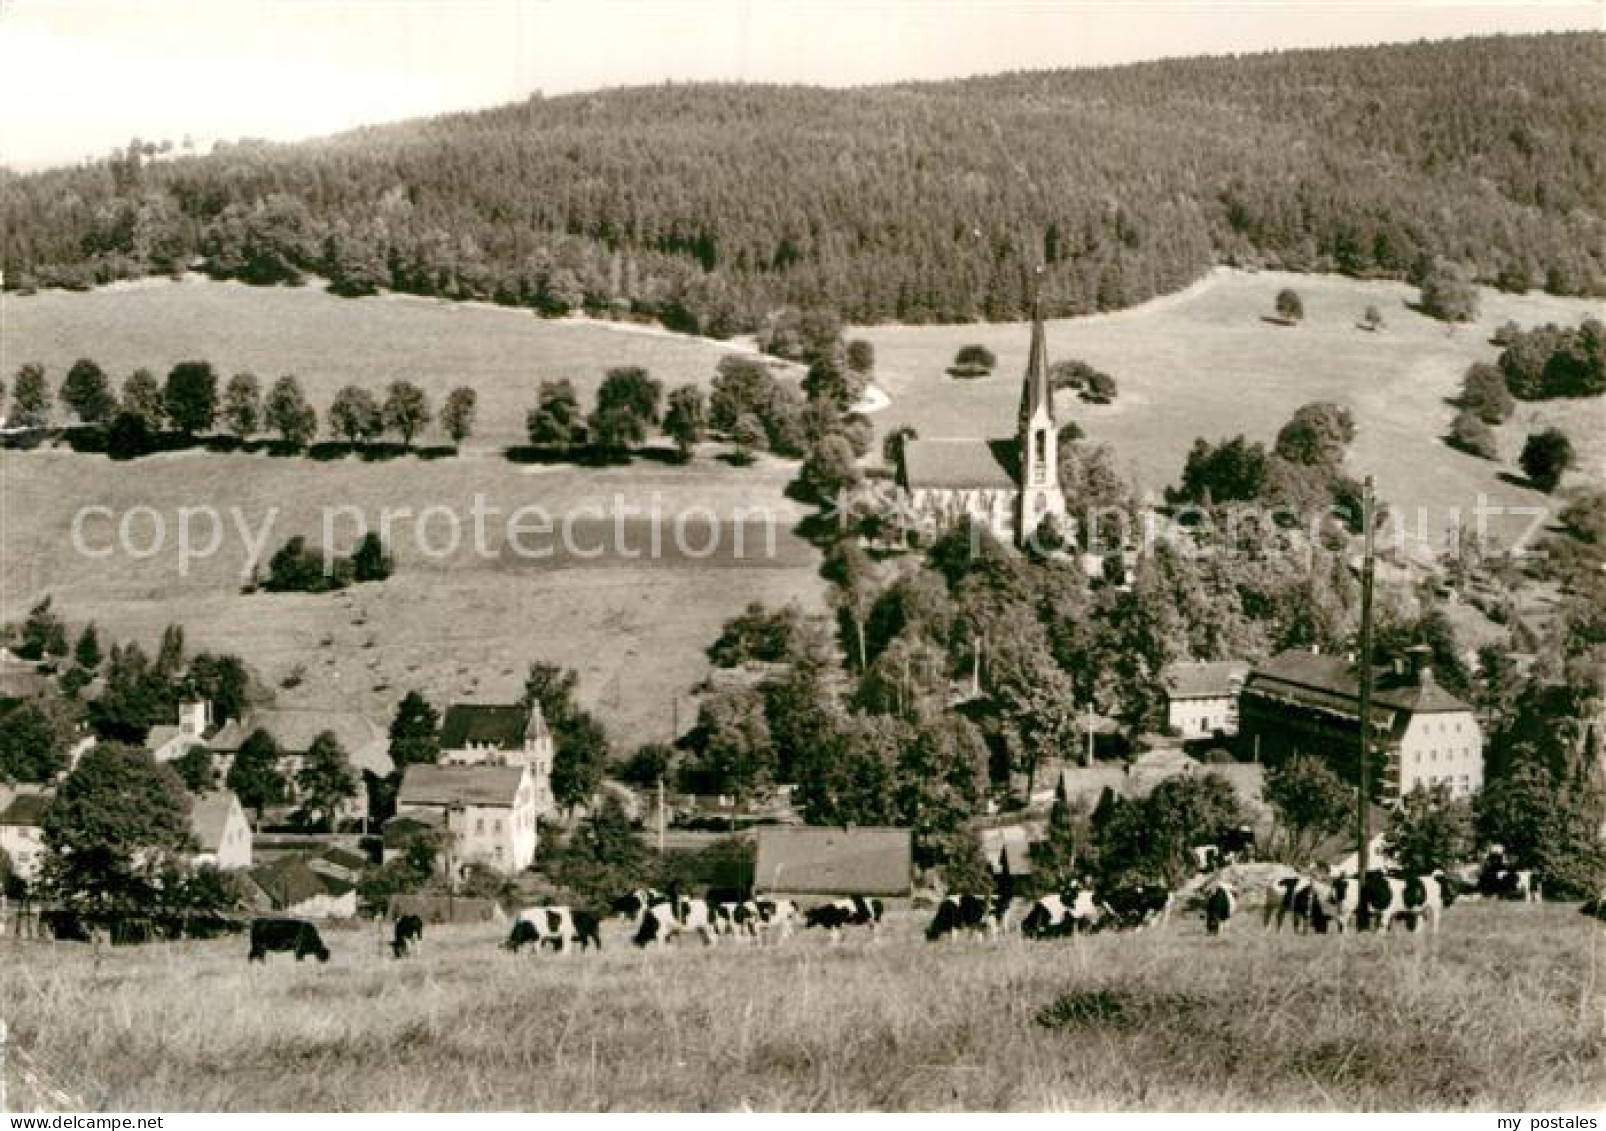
{"points": [[1330, 683], [1035, 389], [504, 726], [26, 809], [834, 861], [1210, 679], [289, 882], [960, 463], [460, 785]]}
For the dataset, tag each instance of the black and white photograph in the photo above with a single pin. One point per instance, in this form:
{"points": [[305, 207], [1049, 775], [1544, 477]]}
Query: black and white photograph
{"points": [[802, 556]]}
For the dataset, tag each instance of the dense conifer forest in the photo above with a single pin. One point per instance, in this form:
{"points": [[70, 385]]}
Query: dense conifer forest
{"points": [[711, 207]]}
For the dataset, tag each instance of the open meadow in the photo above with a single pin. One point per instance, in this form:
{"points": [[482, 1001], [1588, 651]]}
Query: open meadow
{"points": [[328, 342], [1207, 362], [1504, 1010], [459, 625]]}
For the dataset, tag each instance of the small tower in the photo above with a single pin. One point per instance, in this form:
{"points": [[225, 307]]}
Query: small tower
{"points": [[1040, 493]]}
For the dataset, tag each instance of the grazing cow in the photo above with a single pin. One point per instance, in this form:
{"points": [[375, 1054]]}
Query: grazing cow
{"points": [[1063, 913], [1426, 897], [1296, 897], [408, 937], [1340, 903], [555, 926], [777, 917], [738, 920], [1512, 883], [633, 904], [675, 916], [1206, 858], [293, 935], [1236, 845], [958, 913], [857, 911], [1219, 906], [1138, 905]]}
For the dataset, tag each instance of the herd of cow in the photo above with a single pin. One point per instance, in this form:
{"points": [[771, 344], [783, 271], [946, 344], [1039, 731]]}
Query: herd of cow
{"points": [[1309, 903]]}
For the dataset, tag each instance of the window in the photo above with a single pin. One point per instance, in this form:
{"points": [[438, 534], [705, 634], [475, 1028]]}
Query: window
{"points": [[496, 825], [479, 826]]}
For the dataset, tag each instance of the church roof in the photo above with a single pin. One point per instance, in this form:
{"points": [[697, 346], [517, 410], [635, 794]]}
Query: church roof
{"points": [[1035, 390], [964, 463]]}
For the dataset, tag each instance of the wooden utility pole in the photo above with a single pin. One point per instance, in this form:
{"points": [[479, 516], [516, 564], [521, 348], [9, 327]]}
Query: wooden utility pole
{"points": [[660, 815], [1363, 807]]}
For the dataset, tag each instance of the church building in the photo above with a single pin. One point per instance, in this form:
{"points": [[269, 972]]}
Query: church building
{"points": [[1009, 484]]}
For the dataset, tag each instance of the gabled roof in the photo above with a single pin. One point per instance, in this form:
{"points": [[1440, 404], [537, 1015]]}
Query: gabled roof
{"points": [[160, 736], [1331, 683], [363, 741], [834, 861], [290, 881], [1205, 679], [960, 463], [460, 785], [209, 817], [504, 726], [26, 810]]}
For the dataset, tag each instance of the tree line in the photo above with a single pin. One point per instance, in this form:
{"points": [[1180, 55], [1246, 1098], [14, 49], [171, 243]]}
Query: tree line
{"points": [[714, 208]]}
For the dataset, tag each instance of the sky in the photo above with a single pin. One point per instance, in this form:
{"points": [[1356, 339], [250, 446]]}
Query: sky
{"points": [[80, 77]]}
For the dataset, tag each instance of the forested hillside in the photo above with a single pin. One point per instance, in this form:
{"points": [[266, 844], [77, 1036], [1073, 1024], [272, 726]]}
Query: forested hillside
{"points": [[712, 206]]}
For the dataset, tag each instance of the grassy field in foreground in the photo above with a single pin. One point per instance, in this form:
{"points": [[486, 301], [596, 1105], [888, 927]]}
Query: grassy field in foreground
{"points": [[454, 627], [329, 342], [1504, 1010], [1206, 363]]}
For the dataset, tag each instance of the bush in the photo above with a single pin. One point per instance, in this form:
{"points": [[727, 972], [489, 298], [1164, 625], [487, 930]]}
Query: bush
{"points": [[975, 356], [1470, 434], [1484, 393], [298, 568], [1100, 388], [1290, 307], [1546, 457], [1448, 294]]}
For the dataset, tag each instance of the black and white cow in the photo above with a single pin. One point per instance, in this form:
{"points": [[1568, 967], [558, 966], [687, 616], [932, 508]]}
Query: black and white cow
{"points": [[857, 911], [296, 936], [739, 920], [1062, 913], [632, 904], [1206, 858], [777, 919], [1414, 898], [555, 926], [674, 916], [1138, 905], [958, 914], [1298, 898], [1219, 907], [408, 938], [1340, 903]]}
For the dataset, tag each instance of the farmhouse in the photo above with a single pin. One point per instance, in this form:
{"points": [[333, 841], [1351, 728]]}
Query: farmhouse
{"points": [[1305, 702], [168, 743], [498, 734], [816, 862], [1008, 485], [485, 814], [22, 833], [292, 887], [1138, 778], [1202, 697], [220, 830], [366, 745]]}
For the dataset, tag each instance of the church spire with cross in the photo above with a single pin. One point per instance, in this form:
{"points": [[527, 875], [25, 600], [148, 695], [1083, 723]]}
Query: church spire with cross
{"points": [[1040, 494]]}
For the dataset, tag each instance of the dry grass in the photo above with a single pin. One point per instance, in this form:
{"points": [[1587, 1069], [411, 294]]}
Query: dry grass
{"points": [[457, 627], [1502, 1011], [1205, 363]]}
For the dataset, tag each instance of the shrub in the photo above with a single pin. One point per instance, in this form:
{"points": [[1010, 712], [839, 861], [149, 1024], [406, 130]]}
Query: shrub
{"points": [[1468, 433], [1545, 457], [977, 356], [1290, 307]]}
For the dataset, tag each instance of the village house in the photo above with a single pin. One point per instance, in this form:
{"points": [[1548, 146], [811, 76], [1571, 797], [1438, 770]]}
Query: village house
{"points": [[804, 862], [292, 887], [366, 745], [1308, 703], [168, 742], [1137, 779], [1007, 485], [495, 734], [22, 833], [221, 832], [1202, 697], [483, 814]]}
